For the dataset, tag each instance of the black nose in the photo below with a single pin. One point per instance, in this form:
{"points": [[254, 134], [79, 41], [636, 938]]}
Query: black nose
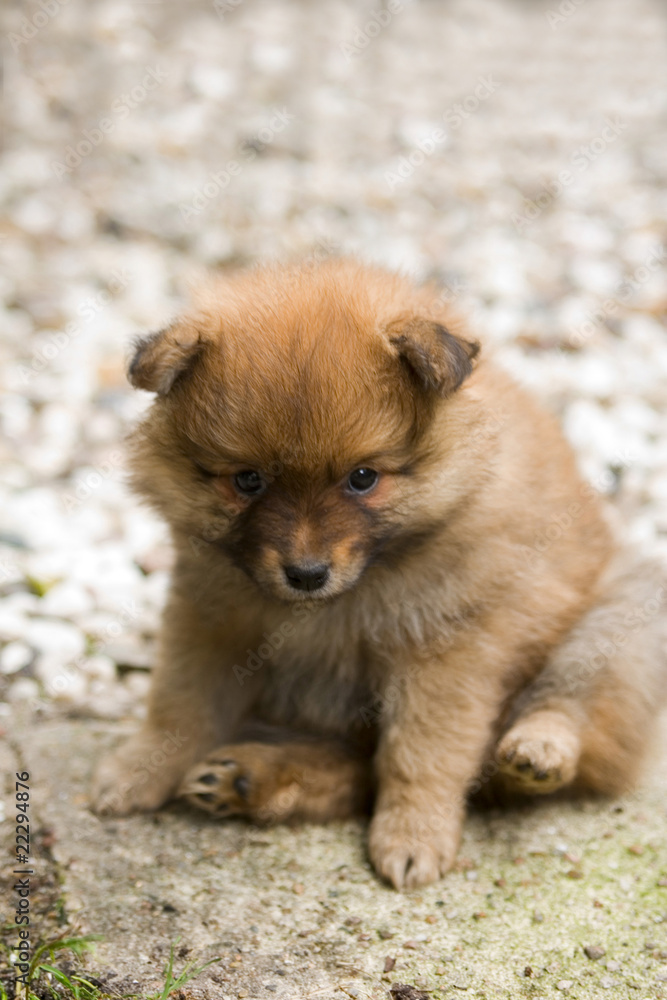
{"points": [[308, 576]]}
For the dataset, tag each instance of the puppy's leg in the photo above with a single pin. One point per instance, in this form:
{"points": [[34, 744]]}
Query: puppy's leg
{"points": [[588, 719], [431, 747], [195, 702], [310, 780]]}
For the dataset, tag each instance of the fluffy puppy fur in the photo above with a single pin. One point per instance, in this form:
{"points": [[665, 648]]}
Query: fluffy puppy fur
{"points": [[454, 618]]}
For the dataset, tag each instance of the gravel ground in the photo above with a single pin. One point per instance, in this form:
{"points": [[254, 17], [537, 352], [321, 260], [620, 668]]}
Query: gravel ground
{"points": [[512, 151]]}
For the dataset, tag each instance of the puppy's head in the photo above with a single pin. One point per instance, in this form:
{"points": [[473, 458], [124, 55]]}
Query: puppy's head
{"points": [[293, 426]]}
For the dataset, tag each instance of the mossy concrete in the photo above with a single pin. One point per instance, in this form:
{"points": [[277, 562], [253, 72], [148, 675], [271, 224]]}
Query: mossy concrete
{"points": [[298, 912]]}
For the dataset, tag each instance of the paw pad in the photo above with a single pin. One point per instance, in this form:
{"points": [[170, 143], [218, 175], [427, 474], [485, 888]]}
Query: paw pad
{"points": [[219, 787]]}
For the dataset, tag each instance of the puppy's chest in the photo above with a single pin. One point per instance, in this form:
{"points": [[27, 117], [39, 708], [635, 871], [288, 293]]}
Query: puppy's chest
{"points": [[317, 680]]}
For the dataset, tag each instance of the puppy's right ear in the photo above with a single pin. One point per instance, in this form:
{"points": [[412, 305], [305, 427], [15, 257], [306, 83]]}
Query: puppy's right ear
{"points": [[163, 357]]}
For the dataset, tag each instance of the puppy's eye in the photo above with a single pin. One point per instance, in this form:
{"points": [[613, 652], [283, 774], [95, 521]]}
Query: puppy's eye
{"points": [[249, 483], [362, 480]]}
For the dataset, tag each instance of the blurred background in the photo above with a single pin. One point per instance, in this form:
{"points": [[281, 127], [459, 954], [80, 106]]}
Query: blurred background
{"points": [[512, 151]]}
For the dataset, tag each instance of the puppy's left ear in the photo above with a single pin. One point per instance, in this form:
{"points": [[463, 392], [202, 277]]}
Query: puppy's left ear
{"points": [[161, 358], [440, 360]]}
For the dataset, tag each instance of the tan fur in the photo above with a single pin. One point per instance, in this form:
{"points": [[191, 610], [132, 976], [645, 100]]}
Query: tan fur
{"points": [[450, 646]]}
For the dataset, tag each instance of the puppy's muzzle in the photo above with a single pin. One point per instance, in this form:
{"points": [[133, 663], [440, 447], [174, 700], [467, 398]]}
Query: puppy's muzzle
{"points": [[307, 576]]}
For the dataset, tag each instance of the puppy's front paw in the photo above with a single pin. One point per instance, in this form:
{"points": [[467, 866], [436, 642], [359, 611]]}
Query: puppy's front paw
{"points": [[539, 755], [243, 779], [138, 777], [410, 849]]}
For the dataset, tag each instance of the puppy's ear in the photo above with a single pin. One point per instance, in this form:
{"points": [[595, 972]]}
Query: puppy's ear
{"points": [[163, 357], [440, 360]]}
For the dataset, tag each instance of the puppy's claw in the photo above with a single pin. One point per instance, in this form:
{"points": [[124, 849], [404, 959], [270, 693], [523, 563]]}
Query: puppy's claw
{"points": [[409, 853]]}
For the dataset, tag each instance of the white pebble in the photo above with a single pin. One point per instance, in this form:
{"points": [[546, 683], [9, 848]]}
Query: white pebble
{"points": [[57, 639], [15, 656], [66, 600], [23, 689], [100, 667]]}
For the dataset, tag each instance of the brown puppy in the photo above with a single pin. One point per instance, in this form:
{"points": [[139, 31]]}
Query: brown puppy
{"points": [[386, 563]]}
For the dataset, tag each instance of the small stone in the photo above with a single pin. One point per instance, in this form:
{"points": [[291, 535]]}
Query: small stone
{"points": [[24, 689], [528, 972], [389, 964], [538, 917], [15, 656], [431, 919], [411, 945], [607, 982], [385, 934], [401, 991], [594, 952], [613, 966], [636, 849], [297, 888], [565, 984]]}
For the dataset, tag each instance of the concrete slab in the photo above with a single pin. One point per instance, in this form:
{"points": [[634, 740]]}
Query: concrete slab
{"points": [[298, 913]]}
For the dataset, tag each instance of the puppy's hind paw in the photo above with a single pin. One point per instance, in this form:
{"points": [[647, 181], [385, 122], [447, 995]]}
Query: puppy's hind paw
{"points": [[243, 779], [219, 785], [540, 754]]}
